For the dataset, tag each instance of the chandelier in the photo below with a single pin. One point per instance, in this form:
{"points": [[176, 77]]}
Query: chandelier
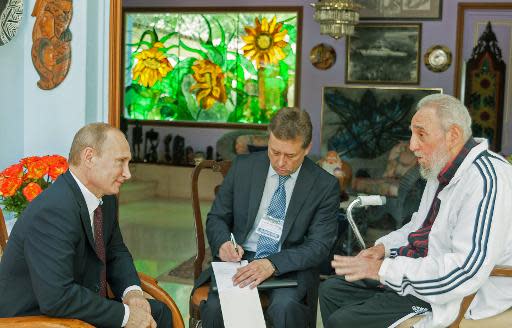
{"points": [[336, 17]]}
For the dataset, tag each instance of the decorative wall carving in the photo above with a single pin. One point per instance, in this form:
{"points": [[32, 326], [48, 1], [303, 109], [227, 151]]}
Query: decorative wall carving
{"points": [[51, 41], [485, 88]]}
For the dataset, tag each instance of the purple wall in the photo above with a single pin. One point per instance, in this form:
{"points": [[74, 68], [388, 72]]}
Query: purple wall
{"points": [[313, 80]]}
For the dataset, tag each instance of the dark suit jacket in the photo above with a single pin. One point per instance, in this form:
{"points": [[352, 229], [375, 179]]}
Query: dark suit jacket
{"points": [[310, 226], [50, 264]]}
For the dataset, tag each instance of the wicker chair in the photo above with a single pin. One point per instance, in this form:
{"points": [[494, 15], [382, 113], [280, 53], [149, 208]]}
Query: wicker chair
{"points": [[148, 284]]}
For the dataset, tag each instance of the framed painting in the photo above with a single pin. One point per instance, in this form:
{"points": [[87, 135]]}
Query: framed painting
{"points": [[218, 67], [366, 122], [384, 53], [401, 9]]}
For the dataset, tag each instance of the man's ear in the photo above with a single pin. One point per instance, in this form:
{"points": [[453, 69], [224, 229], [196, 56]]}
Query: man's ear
{"points": [[308, 149], [455, 135], [87, 156]]}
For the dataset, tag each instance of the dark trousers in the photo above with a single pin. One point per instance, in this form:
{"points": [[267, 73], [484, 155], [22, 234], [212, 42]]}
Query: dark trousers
{"points": [[364, 304], [286, 309], [161, 314]]}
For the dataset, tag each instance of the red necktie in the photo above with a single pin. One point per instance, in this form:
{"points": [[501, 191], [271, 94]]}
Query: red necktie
{"points": [[100, 248]]}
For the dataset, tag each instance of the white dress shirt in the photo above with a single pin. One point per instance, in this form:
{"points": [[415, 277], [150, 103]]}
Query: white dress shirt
{"points": [[270, 187], [92, 203]]}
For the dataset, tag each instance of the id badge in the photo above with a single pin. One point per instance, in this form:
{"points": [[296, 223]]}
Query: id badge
{"points": [[270, 227]]}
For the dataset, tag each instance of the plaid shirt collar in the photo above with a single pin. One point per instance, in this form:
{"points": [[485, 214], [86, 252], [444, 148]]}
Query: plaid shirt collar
{"points": [[449, 170]]}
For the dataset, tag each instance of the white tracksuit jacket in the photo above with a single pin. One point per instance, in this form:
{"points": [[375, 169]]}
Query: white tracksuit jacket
{"points": [[471, 234]]}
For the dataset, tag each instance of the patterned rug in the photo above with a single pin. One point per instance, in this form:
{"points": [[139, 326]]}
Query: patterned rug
{"points": [[184, 273]]}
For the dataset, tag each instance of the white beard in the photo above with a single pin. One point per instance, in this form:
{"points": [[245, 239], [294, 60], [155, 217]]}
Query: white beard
{"points": [[438, 160]]}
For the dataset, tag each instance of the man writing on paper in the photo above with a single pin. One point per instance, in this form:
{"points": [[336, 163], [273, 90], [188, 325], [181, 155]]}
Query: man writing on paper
{"points": [[461, 230], [281, 209], [67, 244]]}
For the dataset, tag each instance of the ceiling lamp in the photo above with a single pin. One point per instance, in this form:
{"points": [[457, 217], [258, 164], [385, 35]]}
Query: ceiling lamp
{"points": [[337, 18]]}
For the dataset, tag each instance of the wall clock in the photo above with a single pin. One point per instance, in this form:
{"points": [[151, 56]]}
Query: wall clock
{"points": [[438, 58], [322, 56]]}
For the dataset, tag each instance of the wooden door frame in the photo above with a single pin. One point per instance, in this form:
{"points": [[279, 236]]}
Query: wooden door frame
{"points": [[114, 76]]}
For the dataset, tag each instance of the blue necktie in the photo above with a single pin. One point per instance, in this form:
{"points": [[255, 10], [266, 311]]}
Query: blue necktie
{"points": [[277, 210]]}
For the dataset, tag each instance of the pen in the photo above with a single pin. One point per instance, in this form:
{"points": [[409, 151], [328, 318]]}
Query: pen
{"points": [[233, 241]]}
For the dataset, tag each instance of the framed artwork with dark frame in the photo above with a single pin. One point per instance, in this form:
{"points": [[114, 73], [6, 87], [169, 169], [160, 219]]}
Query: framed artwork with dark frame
{"points": [[384, 53], [366, 122], [210, 67], [485, 93], [401, 9]]}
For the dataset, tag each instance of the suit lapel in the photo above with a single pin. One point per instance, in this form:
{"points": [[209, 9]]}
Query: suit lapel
{"points": [[301, 190], [258, 179], [84, 212]]}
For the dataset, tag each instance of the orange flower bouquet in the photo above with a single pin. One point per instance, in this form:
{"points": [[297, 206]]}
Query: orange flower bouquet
{"points": [[21, 183]]}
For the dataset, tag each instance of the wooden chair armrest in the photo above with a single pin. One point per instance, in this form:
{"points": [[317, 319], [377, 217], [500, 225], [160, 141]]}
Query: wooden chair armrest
{"points": [[498, 271], [502, 271], [42, 321], [150, 286]]}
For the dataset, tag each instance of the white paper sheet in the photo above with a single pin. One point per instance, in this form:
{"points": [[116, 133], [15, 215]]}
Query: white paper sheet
{"points": [[241, 307]]}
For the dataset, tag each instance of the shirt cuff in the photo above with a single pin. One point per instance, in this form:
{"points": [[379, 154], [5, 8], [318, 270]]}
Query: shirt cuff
{"points": [[387, 251], [383, 270], [126, 307], [126, 315], [129, 289]]}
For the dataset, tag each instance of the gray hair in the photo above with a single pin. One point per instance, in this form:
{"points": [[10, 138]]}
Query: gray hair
{"points": [[450, 110], [92, 135], [290, 123]]}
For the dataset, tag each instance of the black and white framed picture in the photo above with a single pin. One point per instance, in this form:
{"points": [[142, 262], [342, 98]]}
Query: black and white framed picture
{"points": [[401, 9], [384, 53]]}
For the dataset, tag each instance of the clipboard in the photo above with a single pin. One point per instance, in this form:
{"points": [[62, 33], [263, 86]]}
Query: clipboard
{"points": [[270, 283]]}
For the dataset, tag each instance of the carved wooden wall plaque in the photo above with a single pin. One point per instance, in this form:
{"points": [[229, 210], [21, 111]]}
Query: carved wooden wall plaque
{"points": [[51, 41], [485, 88]]}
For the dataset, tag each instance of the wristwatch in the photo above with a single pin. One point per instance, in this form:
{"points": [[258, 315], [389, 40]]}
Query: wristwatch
{"points": [[438, 58], [274, 266]]}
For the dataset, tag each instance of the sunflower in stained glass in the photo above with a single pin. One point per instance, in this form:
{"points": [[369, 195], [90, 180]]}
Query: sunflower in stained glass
{"points": [[152, 66], [265, 42], [484, 83], [210, 83]]}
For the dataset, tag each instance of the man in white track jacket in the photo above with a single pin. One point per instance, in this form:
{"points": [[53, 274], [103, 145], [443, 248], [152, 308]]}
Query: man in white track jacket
{"points": [[462, 229]]}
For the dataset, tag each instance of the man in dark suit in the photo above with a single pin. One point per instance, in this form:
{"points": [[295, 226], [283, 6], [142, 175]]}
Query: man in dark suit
{"points": [[67, 244], [281, 186]]}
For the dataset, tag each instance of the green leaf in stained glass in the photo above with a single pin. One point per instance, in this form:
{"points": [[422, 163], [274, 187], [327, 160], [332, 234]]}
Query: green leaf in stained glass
{"points": [[130, 95], [168, 36], [290, 56], [283, 70], [222, 33], [215, 55], [247, 64], [199, 52], [190, 98], [292, 32], [169, 111], [210, 38]]}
